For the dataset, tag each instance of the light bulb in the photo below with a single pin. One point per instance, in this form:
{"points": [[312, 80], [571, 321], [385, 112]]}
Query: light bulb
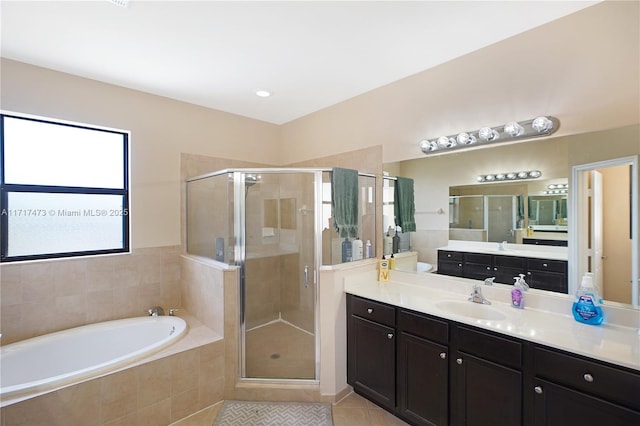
{"points": [[511, 175], [535, 174], [522, 175], [446, 142], [465, 138], [500, 176], [513, 129], [490, 177], [488, 134], [480, 178], [542, 125], [427, 146]]}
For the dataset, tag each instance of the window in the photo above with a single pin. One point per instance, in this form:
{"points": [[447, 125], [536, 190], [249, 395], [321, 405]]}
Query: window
{"points": [[63, 190]]}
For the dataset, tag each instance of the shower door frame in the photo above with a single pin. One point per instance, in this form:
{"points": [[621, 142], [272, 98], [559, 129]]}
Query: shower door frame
{"points": [[239, 218]]}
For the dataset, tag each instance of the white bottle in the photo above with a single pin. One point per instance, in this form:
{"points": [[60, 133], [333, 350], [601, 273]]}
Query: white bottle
{"points": [[367, 252], [356, 249]]}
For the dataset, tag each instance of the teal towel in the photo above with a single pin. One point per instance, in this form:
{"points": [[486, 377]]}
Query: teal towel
{"points": [[344, 201], [403, 204]]}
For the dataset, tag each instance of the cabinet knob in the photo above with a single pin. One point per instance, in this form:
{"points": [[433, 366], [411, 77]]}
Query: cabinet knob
{"points": [[449, 255], [459, 361], [538, 390], [495, 269], [545, 264], [528, 273], [390, 336], [443, 355], [370, 310], [588, 377], [460, 265], [488, 268]]}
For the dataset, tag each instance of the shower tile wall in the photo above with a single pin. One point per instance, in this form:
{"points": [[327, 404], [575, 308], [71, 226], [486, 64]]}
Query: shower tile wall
{"points": [[42, 297]]}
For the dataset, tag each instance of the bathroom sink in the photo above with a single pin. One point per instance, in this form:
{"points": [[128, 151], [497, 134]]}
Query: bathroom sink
{"points": [[471, 309]]}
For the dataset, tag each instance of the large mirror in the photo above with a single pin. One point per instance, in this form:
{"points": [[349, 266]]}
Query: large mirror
{"points": [[439, 177]]}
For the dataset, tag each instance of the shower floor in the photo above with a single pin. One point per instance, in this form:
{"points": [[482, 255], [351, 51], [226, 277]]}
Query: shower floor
{"points": [[279, 351]]}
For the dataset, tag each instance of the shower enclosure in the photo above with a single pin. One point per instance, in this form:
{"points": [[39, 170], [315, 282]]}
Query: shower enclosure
{"points": [[269, 222]]}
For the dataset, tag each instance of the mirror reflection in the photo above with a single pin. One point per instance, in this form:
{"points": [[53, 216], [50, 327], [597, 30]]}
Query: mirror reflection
{"points": [[515, 212]]}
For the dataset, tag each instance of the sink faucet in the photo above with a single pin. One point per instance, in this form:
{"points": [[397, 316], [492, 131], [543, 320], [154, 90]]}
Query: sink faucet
{"points": [[502, 246], [476, 295], [156, 311]]}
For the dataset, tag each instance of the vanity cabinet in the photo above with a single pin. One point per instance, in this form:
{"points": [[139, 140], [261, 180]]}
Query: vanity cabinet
{"points": [[371, 342], [450, 263], [568, 389], [543, 274], [423, 369], [480, 384], [547, 274], [486, 378]]}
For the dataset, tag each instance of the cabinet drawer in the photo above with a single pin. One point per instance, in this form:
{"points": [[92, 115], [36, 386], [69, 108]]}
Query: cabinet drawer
{"points": [[509, 262], [374, 311], [450, 255], [547, 265], [610, 383], [423, 326], [490, 347], [483, 259]]}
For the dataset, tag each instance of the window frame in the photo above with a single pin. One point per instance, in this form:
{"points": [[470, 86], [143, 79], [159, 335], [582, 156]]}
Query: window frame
{"points": [[6, 189]]}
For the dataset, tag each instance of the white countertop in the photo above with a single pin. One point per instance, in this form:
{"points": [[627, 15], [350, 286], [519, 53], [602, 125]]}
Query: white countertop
{"points": [[519, 250], [553, 326]]}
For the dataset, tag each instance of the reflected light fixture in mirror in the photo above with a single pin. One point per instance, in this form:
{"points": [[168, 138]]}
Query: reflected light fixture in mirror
{"points": [[511, 131], [496, 177]]}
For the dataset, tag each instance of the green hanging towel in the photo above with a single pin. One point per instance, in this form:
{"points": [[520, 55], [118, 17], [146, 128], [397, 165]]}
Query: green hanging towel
{"points": [[404, 205], [344, 201]]}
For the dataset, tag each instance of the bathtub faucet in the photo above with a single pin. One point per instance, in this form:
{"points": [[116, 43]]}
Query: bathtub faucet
{"points": [[156, 311]]}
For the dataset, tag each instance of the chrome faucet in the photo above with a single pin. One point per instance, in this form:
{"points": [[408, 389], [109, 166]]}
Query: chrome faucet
{"points": [[502, 246], [156, 311], [476, 294]]}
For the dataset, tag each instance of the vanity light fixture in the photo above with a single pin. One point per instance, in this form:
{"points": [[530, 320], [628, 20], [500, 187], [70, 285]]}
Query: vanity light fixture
{"points": [[537, 127], [557, 188], [498, 177]]}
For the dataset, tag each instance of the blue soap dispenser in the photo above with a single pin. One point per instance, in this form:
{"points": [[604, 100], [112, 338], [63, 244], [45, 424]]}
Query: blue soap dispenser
{"points": [[586, 307]]}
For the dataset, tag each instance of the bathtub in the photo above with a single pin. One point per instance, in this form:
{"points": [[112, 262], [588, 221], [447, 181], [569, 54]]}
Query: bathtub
{"points": [[67, 356]]}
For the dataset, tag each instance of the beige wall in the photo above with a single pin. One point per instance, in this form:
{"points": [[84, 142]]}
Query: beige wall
{"points": [[160, 129], [583, 69]]}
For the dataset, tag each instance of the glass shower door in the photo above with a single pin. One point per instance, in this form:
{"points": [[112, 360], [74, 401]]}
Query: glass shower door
{"points": [[278, 294]]}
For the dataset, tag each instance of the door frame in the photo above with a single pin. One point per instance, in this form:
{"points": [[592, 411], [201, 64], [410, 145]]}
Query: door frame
{"points": [[577, 220]]}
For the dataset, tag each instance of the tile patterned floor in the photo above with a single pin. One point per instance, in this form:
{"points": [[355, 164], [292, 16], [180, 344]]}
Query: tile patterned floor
{"points": [[353, 410]]}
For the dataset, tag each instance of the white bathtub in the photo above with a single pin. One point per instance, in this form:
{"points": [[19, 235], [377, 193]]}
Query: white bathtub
{"points": [[54, 359]]}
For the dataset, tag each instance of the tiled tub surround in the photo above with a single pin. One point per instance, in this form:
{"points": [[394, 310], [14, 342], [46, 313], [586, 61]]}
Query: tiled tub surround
{"points": [[162, 388], [45, 296], [546, 318]]}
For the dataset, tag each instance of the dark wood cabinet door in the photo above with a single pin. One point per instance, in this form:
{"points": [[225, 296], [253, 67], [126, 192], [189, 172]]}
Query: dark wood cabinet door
{"points": [[484, 393], [372, 360], [423, 378], [551, 281], [556, 405]]}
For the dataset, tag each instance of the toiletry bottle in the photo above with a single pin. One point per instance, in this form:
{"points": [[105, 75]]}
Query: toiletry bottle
{"points": [[517, 294], [347, 254], [387, 243], [392, 262], [395, 242], [367, 252], [586, 307], [356, 249], [383, 269]]}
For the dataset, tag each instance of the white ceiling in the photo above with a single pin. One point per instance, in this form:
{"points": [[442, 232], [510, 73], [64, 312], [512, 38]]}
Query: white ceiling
{"points": [[310, 55]]}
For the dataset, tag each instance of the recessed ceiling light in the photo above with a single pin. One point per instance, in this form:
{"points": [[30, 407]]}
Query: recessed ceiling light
{"points": [[263, 93]]}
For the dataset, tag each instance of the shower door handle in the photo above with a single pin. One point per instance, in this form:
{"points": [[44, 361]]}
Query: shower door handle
{"points": [[306, 275]]}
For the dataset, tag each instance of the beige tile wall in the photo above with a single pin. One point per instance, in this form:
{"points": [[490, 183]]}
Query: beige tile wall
{"points": [[46, 296], [203, 292], [155, 393]]}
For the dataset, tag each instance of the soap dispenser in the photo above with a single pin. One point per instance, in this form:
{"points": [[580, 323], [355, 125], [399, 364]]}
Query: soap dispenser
{"points": [[586, 307], [517, 293]]}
